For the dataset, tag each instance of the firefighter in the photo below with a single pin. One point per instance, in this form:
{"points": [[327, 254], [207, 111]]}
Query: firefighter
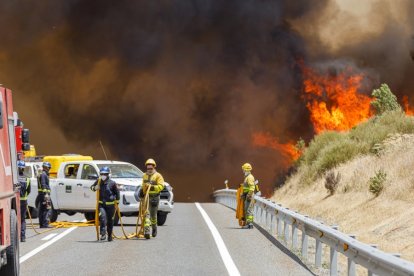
{"points": [[248, 194], [44, 196], [108, 197], [153, 183], [24, 192]]}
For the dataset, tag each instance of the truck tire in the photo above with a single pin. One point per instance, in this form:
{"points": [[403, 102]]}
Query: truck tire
{"points": [[70, 213], [116, 219], [13, 263], [53, 214], [89, 216], [34, 212], [161, 218]]}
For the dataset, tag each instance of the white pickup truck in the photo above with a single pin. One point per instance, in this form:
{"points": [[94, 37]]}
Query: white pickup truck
{"points": [[71, 193]]}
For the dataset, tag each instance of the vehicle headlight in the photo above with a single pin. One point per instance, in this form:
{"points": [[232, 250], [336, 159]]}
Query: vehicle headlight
{"points": [[126, 188]]}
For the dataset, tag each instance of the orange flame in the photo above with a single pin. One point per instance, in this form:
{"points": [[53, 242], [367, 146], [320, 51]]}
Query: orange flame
{"points": [[333, 101], [408, 110], [262, 139]]}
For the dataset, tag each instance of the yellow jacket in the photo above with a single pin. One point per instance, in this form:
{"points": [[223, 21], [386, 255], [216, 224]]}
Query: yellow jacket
{"points": [[248, 184], [154, 182]]}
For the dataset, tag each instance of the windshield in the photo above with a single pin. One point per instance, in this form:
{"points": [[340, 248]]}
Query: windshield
{"points": [[123, 170]]}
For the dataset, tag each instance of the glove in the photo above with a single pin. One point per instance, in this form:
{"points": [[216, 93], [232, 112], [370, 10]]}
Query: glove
{"points": [[47, 197], [141, 193], [95, 188]]}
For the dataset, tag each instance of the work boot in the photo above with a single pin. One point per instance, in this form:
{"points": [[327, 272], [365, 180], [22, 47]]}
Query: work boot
{"points": [[103, 236], [23, 239], [110, 238], [250, 226], [154, 231], [147, 234]]}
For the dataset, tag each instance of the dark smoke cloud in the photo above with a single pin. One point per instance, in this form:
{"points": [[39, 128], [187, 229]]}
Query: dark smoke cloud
{"points": [[184, 82]]}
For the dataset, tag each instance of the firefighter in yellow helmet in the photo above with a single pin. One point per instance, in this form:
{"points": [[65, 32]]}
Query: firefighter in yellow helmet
{"points": [[153, 183], [248, 194]]}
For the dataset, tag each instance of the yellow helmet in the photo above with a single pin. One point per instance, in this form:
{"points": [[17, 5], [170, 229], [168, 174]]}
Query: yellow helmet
{"points": [[150, 162], [247, 167]]}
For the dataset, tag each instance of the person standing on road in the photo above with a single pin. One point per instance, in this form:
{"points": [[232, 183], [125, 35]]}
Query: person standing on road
{"points": [[44, 196], [153, 183], [108, 197], [24, 192], [248, 194]]}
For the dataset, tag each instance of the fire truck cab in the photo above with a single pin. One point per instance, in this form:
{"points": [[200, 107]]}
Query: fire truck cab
{"points": [[9, 188]]}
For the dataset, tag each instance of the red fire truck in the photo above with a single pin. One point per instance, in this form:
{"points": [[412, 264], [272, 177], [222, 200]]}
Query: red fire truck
{"points": [[9, 187]]}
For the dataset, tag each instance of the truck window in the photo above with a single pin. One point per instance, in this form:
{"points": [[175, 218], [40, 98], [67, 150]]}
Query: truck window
{"points": [[88, 170], [28, 172], [71, 170]]}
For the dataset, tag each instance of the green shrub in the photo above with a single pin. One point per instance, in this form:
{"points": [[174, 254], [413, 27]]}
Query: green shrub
{"points": [[385, 100], [376, 183]]}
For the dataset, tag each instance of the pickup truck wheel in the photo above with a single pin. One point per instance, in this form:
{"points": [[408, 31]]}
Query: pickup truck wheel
{"points": [[89, 216], [53, 214], [13, 264], [34, 212], [116, 219], [70, 213], [161, 218]]}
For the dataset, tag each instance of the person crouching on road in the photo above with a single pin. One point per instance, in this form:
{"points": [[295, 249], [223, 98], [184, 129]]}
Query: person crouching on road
{"points": [[44, 196], [24, 192], [108, 197], [248, 194], [153, 183]]}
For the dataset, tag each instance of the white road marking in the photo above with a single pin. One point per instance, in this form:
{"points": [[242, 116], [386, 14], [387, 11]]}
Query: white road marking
{"points": [[48, 237], [46, 244], [224, 253]]}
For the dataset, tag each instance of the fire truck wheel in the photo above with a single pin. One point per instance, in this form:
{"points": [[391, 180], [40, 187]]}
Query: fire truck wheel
{"points": [[34, 212], [13, 264]]}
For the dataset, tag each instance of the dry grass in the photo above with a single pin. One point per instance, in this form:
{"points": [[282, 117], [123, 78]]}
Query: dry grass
{"points": [[386, 220]]}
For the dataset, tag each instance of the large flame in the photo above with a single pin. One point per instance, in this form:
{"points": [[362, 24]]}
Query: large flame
{"points": [[264, 139], [408, 110], [333, 100]]}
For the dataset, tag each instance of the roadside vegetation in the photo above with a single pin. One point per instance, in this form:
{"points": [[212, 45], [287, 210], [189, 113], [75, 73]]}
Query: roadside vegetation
{"points": [[361, 179]]}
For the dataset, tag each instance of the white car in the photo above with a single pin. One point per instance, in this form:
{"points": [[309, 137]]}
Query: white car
{"points": [[71, 193]]}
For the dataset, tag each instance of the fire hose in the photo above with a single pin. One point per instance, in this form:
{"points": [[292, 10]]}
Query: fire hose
{"points": [[142, 213], [140, 224]]}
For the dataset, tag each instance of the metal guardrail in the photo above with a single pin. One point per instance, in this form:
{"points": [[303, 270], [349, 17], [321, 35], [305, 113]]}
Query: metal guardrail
{"points": [[285, 224]]}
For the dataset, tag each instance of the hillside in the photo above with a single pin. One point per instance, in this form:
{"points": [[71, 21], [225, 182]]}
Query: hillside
{"points": [[383, 145]]}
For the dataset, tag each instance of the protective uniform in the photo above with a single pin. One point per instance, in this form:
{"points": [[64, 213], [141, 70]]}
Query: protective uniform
{"points": [[248, 194], [24, 192], [108, 196], [154, 184], [44, 196]]}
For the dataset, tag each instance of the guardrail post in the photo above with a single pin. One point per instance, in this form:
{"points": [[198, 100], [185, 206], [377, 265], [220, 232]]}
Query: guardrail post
{"points": [[294, 236], [370, 272], [334, 258], [318, 254], [286, 230], [304, 243], [351, 263]]}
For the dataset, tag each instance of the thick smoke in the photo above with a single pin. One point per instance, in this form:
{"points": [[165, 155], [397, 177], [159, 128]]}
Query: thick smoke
{"points": [[184, 82]]}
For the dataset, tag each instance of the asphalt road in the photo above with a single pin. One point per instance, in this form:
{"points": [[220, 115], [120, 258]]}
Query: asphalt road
{"points": [[185, 245]]}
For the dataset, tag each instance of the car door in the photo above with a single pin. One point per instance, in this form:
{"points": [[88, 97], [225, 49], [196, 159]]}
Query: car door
{"points": [[66, 187], [86, 197]]}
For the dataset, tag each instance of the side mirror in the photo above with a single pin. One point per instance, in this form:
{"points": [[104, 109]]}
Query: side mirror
{"points": [[25, 136], [25, 146], [92, 176], [226, 182]]}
